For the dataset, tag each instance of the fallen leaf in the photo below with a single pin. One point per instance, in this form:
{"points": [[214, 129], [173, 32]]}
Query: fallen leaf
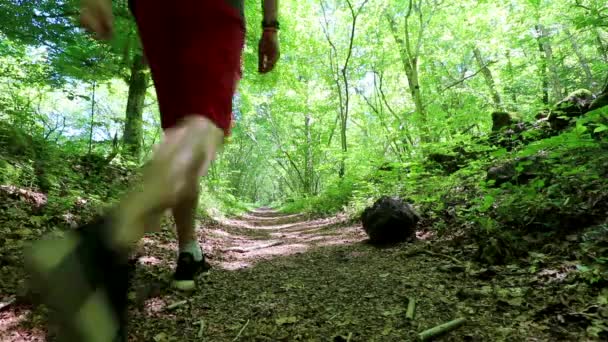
{"points": [[392, 312], [286, 320], [160, 337], [24, 232], [517, 301]]}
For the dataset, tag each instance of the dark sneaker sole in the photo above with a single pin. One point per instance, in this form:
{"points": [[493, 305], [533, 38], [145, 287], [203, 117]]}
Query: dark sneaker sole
{"points": [[83, 285], [184, 285], [188, 285]]}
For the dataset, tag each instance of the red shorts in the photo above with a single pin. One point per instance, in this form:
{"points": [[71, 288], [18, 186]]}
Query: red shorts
{"points": [[194, 51]]}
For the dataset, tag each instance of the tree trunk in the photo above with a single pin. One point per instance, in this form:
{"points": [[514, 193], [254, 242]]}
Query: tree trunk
{"points": [[581, 58], [342, 171], [511, 72], [341, 76], [414, 84], [309, 169], [138, 84], [487, 75], [409, 58], [92, 123], [546, 49], [543, 71], [603, 49]]}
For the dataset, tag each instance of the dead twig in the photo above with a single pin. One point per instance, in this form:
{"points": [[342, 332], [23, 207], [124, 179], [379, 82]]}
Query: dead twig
{"points": [[241, 331], [440, 329], [201, 328], [411, 308], [176, 304], [250, 249], [442, 256], [6, 304]]}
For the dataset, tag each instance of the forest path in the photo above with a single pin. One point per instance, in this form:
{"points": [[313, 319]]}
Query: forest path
{"points": [[288, 278]]}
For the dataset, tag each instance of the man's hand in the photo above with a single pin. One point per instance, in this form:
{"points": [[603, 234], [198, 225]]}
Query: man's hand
{"points": [[96, 16], [268, 52]]}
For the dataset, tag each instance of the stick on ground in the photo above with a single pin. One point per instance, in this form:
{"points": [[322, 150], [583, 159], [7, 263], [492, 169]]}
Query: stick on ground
{"points": [[440, 329], [456, 261], [201, 328], [241, 331], [411, 308], [7, 303], [176, 304]]}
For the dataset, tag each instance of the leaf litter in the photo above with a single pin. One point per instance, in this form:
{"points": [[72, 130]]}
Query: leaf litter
{"points": [[287, 278]]}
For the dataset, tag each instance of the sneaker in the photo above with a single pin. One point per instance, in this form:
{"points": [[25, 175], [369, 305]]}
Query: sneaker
{"points": [[187, 269], [83, 282]]}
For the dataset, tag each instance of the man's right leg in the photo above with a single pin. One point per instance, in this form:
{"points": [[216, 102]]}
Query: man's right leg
{"points": [[84, 274], [84, 277]]}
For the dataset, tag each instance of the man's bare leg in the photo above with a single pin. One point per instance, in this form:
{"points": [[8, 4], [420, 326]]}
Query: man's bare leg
{"points": [[190, 257], [72, 273], [169, 178], [184, 214]]}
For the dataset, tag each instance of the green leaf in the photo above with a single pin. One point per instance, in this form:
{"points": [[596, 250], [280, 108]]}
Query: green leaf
{"points": [[24, 232], [600, 128], [286, 320], [487, 203]]}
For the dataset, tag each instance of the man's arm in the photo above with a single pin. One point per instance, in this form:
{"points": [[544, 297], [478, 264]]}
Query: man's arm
{"points": [[270, 9], [269, 43]]}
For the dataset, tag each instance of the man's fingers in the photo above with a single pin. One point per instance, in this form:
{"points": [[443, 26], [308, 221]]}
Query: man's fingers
{"points": [[271, 61], [261, 63], [97, 22], [88, 22]]}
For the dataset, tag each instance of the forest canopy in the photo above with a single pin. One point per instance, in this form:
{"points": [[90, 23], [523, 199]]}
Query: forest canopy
{"points": [[359, 84]]}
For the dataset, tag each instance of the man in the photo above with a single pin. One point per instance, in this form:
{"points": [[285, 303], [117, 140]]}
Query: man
{"points": [[194, 50]]}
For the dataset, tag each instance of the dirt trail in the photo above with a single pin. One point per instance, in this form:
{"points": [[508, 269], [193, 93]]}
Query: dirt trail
{"points": [[288, 278]]}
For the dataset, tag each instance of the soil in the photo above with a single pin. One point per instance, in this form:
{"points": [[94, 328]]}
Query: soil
{"points": [[279, 277]]}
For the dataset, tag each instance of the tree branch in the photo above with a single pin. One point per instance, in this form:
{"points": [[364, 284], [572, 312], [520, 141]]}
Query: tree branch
{"points": [[468, 77]]}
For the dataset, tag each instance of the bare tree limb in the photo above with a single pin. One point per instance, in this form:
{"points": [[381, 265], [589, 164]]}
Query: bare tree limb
{"points": [[468, 77]]}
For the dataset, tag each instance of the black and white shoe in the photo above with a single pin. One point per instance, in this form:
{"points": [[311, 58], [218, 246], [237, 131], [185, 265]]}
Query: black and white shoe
{"points": [[187, 270], [83, 282]]}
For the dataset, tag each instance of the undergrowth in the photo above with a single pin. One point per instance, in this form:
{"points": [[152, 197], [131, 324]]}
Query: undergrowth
{"points": [[554, 186]]}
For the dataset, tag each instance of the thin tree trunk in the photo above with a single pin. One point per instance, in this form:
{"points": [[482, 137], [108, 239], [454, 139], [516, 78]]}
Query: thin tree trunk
{"points": [[138, 84], [581, 58], [92, 123], [409, 57], [511, 72], [341, 77], [547, 50], [543, 70], [487, 75], [603, 49], [309, 169]]}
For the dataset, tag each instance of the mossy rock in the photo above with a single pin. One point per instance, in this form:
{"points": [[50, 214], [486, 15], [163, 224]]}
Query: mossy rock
{"points": [[574, 105], [447, 162], [599, 102], [518, 170], [390, 220], [504, 119]]}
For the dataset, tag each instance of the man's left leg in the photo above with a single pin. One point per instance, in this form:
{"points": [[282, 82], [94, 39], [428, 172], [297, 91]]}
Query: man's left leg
{"points": [[191, 259]]}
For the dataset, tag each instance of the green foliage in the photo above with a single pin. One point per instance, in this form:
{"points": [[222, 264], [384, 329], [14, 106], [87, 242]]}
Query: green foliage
{"points": [[287, 142]]}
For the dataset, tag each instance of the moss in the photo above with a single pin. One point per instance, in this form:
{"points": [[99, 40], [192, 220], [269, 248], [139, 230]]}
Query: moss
{"points": [[504, 119], [577, 101], [599, 102]]}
